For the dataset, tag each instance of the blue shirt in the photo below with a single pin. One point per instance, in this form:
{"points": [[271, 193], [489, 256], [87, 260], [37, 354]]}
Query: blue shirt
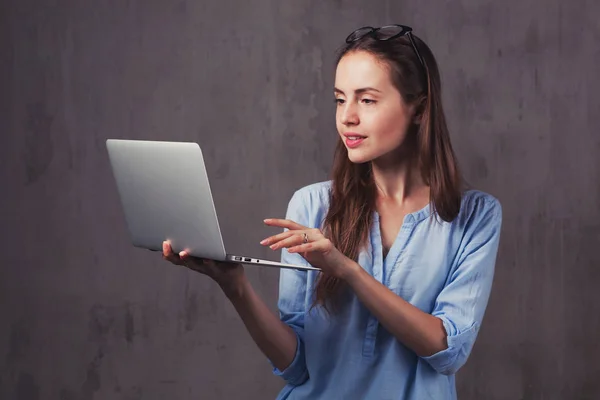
{"points": [[444, 269]]}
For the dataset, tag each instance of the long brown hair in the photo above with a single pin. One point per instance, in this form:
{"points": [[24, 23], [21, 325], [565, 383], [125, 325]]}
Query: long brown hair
{"points": [[353, 194]]}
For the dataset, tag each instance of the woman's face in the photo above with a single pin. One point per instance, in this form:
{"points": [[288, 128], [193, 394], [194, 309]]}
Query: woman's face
{"points": [[372, 118]]}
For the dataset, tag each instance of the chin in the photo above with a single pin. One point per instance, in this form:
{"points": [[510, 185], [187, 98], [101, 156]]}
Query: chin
{"points": [[358, 157]]}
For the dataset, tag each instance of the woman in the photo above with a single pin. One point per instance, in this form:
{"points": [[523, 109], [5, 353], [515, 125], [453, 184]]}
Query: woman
{"points": [[406, 254]]}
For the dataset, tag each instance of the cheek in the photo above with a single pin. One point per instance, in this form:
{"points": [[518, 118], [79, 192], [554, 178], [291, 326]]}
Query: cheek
{"points": [[390, 125], [339, 124]]}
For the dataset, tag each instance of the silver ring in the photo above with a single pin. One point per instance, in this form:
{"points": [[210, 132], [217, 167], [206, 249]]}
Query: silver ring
{"points": [[305, 237]]}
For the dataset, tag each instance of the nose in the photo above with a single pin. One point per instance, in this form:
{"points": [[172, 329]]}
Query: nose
{"points": [[348, 114]]}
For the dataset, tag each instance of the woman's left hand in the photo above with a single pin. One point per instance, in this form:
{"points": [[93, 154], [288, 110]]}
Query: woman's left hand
{"points": [[312, 245]]}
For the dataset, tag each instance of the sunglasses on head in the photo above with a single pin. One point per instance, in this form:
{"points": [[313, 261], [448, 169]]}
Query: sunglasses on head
{"points": [[384, 33]]}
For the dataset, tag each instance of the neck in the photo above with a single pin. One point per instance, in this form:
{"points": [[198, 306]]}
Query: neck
{"points": [[398, 177]]}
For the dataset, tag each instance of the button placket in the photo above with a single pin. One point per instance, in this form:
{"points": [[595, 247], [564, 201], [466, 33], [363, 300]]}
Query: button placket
{"points": [[392, 262], [382, 270], [377, 273]]}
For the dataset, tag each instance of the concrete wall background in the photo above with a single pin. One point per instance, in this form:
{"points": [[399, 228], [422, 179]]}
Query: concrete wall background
{"points": [[86, 316]]}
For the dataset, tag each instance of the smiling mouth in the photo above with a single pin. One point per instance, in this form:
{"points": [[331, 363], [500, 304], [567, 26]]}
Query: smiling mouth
{"points": [[354, 141], [353, 136]]}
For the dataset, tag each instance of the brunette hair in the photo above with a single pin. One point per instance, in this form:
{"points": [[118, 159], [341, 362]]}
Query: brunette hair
{"points": [[353, 194]]}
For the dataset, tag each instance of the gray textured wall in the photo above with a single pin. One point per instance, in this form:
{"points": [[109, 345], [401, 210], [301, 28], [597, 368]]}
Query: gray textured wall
{"points": [[86, 316]]}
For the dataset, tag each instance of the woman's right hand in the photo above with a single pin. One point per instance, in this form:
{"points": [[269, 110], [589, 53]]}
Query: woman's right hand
{"points": [[227, 275]]}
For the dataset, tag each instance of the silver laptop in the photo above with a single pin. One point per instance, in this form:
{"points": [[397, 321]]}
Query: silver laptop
{"points": [[165, 195]]}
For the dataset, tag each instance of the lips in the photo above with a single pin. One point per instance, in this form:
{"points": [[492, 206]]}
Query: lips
{"points": [[354, 140], [354, 136]]}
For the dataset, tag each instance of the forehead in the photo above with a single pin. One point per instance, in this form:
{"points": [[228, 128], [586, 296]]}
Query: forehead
{"points": [[361, 69]]}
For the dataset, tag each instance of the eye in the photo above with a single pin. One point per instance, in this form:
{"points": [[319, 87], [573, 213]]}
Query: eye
{"points": [[368, 101], [339, 101]]}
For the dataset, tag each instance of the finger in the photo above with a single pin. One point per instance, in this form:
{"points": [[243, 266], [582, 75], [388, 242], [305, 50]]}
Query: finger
{"points": [[277, 238], [169, 255], [293, 240], [166, 247], [193, 263], [168, 250], [308, 247], [173, 259], [187, 259], [284, 223]]}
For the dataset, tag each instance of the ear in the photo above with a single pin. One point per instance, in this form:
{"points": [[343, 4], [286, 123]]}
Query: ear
{"points": [[419, 110], [417, 118]]}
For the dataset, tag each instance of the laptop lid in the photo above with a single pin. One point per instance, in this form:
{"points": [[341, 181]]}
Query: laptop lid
{"points": [[165, 195]]}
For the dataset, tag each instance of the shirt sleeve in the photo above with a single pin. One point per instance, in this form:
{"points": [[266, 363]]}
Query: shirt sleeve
{"points": [[292, 298], [462, 302]]}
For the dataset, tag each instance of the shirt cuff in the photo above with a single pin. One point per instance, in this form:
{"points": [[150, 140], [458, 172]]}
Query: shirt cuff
{"points": [[449, 360], [295, 373]]}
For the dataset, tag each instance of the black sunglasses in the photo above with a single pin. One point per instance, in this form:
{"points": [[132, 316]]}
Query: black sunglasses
{"points": [[387, 32]]}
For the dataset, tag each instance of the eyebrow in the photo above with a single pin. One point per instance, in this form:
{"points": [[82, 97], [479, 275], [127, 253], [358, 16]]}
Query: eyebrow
{"points": [[359, 91]]}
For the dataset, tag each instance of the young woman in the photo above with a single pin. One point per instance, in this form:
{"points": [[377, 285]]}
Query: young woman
{"points": [[406, 254]]}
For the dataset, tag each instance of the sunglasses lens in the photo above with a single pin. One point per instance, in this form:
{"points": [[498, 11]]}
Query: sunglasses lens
{"points": [[388, 32], [358, 34]]}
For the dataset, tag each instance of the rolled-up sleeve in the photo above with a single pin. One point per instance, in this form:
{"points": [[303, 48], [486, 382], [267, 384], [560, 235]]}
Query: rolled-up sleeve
{"points": [[292, 298], [462, 302]]}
